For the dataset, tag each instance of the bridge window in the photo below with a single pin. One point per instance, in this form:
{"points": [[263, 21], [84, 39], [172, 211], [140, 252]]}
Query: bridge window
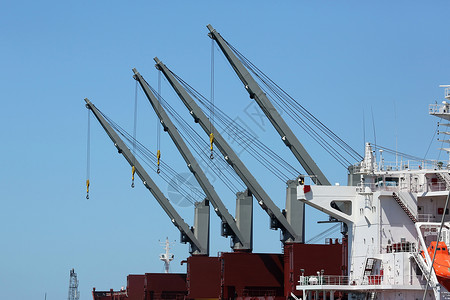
{"points": [[391, 181]]}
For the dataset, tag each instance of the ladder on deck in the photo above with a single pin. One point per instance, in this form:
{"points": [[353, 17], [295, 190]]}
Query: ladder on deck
{"points": [[404, 207], [368, 270], [444, 177], [432, 279], [423, 266]]}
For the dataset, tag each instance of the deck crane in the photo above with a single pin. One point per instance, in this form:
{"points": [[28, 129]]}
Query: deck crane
{"points": [[256, 93], [277, 219], [198, 238], [240, 229]]}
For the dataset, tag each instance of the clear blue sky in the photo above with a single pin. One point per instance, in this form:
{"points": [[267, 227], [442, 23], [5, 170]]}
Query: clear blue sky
{"points": [[339, 59]]}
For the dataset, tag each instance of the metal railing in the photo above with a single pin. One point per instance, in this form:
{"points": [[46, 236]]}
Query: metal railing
{"points": [[426, 218], [400, 247], [439, 108], [325, 280], [437, 186], [361, 187], [375, 187], [407, 165]]}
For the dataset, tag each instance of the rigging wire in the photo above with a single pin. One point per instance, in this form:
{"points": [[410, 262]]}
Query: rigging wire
{"points": [[281, 93], [312, 132], [158, 126], [211, 113], [327, 232], [300, 116], [255, 150], [288, 104], [148, 158], [374, 133], [133, 169], [408, 156], [396, 134], [432, 139], [192, 138], [88, 154], [231, 128], [240, 134], [223, 165], [242, 137], [364, 129]]}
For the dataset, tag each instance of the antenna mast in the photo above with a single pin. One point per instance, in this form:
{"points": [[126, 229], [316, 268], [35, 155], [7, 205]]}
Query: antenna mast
{"points": [[74, 294], [166, 257]]}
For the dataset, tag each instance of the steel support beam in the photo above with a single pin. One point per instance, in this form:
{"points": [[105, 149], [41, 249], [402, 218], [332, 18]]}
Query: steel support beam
{"points": [[244, 215], [295, 210], [278, 220], [193, 165], [201, 222], [196, 246], [256, 93]]}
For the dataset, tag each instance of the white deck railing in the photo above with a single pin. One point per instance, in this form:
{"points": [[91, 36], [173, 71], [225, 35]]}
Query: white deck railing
{"points": [[382, 186], [325, 280]]}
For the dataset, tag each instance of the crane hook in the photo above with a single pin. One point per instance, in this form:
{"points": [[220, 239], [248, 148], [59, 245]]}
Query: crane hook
{"points": [[158, 157], [133, 170], [211, 141], [87, 189]]}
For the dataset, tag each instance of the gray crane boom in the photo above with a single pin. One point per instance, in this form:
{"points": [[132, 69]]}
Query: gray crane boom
{"points": [[230, 156], [270, 111], [192, 164], [176, 219]]}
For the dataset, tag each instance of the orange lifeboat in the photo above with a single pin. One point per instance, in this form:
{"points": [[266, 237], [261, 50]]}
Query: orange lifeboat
{"points": [[441, 263]]}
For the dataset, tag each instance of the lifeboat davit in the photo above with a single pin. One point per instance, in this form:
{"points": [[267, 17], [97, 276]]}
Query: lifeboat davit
{"points": [[441, 263]]}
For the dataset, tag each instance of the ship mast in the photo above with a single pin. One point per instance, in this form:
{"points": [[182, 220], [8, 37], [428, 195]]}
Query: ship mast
{"points": [[166, 257], [443, 111]]}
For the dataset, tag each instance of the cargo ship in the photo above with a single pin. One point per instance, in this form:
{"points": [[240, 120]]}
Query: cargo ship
{"points": [[394, 220], [395, 214]]}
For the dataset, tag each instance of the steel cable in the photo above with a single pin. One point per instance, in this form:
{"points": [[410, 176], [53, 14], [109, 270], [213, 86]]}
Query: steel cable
{"points": [[148, 158], [287, 101], [241, 134]]}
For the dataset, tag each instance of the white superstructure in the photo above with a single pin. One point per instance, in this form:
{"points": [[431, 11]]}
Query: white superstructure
{"points": [[392, 212]]}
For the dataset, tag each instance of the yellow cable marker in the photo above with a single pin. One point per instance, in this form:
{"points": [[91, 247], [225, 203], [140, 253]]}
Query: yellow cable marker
{"points": [[158, 156], [211, 141], [87, 188], [133, 170]]}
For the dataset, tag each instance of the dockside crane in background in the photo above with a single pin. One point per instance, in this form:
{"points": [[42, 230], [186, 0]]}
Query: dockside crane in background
{"points": [[240, 229], [277, 219], [198, 238], [74, 294]]}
